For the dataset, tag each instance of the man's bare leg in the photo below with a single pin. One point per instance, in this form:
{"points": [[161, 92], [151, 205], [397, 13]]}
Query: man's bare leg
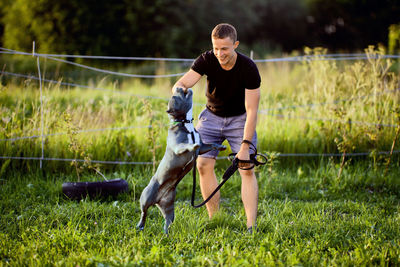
{"points": [[208, 183], [249, 196]]}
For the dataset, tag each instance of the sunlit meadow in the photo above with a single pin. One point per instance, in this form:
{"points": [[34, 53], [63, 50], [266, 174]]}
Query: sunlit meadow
{"points": [[320, 210]]}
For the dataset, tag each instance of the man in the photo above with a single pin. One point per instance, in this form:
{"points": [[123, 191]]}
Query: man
{"points": [[233, 93]]}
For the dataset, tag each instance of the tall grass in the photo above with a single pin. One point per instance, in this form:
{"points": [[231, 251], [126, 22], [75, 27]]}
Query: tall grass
{"points": [[365, 91]]}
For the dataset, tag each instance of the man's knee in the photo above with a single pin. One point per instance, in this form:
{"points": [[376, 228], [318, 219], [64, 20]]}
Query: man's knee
{"points": [[247, 174], [205, 165]]}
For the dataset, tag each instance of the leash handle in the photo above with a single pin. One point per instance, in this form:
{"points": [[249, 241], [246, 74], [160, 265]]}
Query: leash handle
{"points": [[256, 159]]}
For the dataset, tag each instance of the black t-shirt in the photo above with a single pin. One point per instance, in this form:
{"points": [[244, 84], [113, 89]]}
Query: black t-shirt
{"points": [[226, 88]]}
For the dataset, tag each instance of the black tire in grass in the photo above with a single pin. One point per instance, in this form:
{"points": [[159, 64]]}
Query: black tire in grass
{"points": [[104, 189]]}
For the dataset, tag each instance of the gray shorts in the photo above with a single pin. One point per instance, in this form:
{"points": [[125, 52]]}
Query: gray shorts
{"points": [[215, 129]]}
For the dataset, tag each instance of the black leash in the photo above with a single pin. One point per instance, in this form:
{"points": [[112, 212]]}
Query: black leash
{"points": [[255, 160]]}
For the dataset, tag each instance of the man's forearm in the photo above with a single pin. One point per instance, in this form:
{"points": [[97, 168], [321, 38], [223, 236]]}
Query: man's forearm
{"points": [[250, 125], [248, 134], [187, 81], [252, 100]]}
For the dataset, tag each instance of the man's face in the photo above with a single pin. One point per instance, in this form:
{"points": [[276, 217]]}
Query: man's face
{"points": [[224, 50]]}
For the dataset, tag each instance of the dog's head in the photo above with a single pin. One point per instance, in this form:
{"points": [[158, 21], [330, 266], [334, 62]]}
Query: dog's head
{"points": [[180, 103]]}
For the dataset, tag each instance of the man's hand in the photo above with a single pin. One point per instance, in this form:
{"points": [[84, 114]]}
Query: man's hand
{"points": [[179, 86], [244, 154]]}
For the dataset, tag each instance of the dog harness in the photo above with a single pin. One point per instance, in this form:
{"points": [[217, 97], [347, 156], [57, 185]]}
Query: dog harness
{"points": [[193, 135]]}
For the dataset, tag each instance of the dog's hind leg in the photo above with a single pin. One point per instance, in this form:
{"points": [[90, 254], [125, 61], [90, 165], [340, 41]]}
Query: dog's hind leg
{"points": [[147, 199], [169, 218], [167, 209], [142, 221]]}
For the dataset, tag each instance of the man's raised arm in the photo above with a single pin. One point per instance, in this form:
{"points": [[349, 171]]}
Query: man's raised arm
{"points": [[187, 81]]}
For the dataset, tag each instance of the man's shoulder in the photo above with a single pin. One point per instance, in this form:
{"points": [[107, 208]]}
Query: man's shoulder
{"points": [[204, 62], [250, 70], [207, 55], [246, 60]]}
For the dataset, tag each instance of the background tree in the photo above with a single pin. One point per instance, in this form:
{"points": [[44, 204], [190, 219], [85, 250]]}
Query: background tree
{"points": [[182, 27], [350, 24]]}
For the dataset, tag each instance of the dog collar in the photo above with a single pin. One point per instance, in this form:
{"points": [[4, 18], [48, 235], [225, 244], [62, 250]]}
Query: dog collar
{"points": [[177, 121], [188, 119]]}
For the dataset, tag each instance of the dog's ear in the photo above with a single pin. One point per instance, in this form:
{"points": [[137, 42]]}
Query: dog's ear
{"points": [[189, 93]]}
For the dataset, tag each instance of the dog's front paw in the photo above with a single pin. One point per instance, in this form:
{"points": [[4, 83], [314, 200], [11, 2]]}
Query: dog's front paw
{"points": [[186, 147], [219, 147], [195, 146]]}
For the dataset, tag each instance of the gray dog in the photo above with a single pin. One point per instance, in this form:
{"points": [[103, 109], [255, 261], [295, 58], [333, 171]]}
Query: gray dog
{"points": [[183, 146]]}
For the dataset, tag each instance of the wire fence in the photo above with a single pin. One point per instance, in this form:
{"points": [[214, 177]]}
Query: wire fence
{"points": [[329, 57], [57, 57]]}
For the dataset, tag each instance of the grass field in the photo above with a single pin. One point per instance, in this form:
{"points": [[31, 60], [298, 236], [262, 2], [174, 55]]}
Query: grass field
{"points": [[312, 210], [306, 217]]}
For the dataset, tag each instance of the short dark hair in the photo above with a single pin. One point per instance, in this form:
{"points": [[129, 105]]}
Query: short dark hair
{"points": [[224, 30]]}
